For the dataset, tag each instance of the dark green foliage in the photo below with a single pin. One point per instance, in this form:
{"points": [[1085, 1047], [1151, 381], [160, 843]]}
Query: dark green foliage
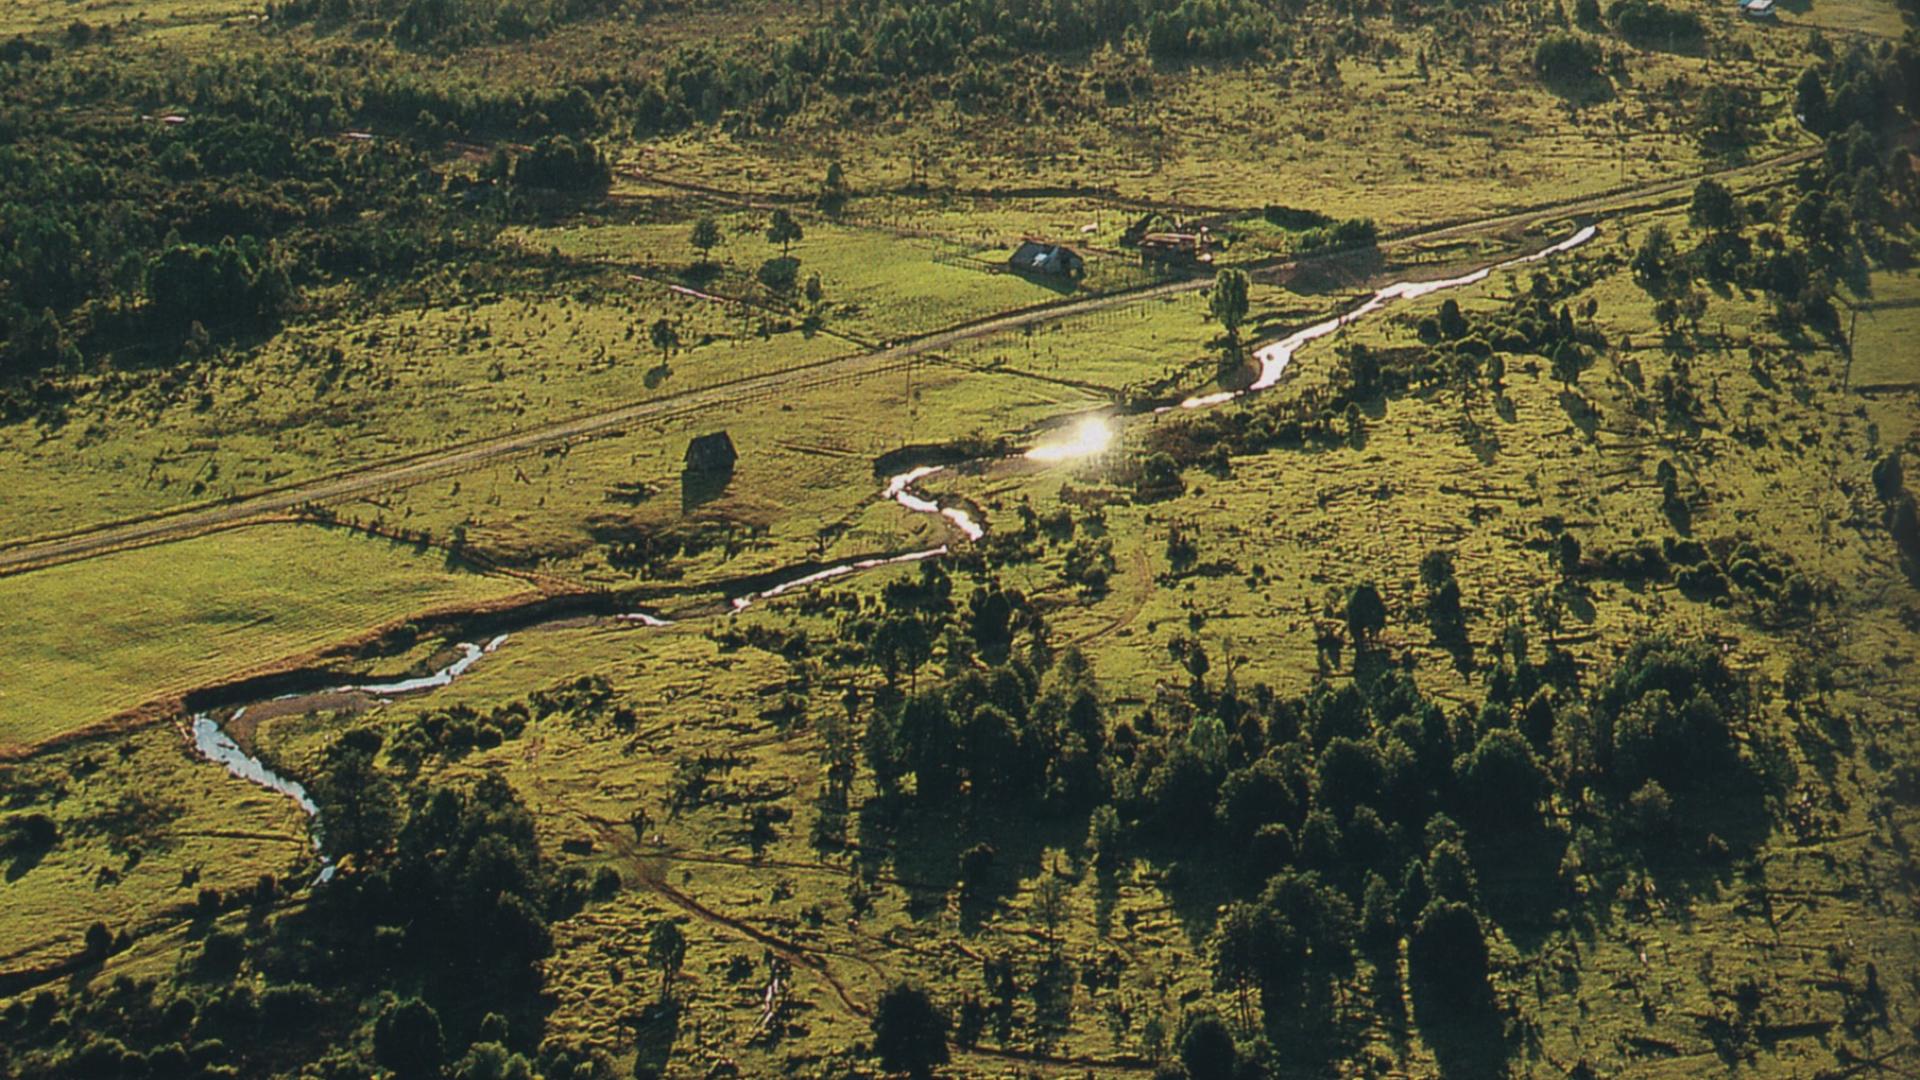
{"points": [[1448, 951], [28, 833], [440, 23], [666, 951], [407, 1039], [1672, 708], [1566, 59], [909, 1031], [357, 800], [1651, 24], [1902, 518], [560, 163], [1228, 301], [1344, 236], [1159, 477], [994, 736], [1206, 1048], [780, 274], [1810, 101], [1366, 614], [231, 280], [1713, 207], [705, 236], [464, 866], [782, 229], [1500, 782], [1728, 117], [1566, 553], [1287, 217]]}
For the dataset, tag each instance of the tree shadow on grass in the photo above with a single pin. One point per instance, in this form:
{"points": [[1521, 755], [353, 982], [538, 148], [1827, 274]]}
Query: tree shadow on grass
{"points": [[1464, 1030], [1724, 824], [926, 846], [1581, 91], [700, 274], [24, 860], [1580, 411], [1519, 872], [1330, 273], [655, 1029]]}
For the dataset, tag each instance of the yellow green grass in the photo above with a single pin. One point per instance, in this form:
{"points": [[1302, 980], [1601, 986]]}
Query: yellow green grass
{"points": [[1886, 334], [90, 639]]}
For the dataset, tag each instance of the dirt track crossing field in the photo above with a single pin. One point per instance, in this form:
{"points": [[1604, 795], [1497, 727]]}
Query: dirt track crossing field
{"points": [[26, 554]]}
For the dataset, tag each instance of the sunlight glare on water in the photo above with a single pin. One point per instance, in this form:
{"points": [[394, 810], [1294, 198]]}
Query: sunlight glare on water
{"points": [[1089, 437]]}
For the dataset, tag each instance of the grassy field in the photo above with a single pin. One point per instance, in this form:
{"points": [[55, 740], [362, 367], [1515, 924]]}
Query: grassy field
{"points": [[93, 638], [1883, 336], [199, 828], [1286, 528], [688, 773]]}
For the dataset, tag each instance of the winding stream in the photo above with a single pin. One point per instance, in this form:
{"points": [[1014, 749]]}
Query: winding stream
{"points": [[1089, 436], [212, 741], [217, 746]]}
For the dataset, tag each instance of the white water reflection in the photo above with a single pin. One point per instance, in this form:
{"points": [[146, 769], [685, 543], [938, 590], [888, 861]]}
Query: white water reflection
{"points": [[900, 490], [1090, 436]]}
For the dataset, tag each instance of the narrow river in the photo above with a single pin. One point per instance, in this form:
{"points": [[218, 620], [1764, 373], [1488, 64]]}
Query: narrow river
{"points": [[1089, 436]]}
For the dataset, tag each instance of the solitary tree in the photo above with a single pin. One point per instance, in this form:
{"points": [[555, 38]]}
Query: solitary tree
{"points": [[1050, 904], [99, 941], [909, 1031], [666, 950], [1366, 613], [664, 337], [1566, 363], [1810, 101], [1228, 305], [1566, 552], [783, 230], [1713, 207], [706, 236]]}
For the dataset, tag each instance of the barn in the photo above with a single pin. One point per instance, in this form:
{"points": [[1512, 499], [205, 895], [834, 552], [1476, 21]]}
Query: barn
{"points": [[711, 453], [1040, 257]]}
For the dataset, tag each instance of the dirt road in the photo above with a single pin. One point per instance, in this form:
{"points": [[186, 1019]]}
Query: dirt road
{"points": [[25, 554]]}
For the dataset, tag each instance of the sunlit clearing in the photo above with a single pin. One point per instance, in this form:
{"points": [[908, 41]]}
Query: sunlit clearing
{"points": [[1089, 437]]}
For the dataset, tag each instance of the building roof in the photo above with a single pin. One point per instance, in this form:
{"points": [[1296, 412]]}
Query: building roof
{"points": [[1041, 257], [712, 451]]}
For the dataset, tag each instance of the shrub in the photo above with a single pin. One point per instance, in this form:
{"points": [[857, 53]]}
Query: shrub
{"points": [[909, 1031], [780, 274], [1648, 23], [1566, 58]]}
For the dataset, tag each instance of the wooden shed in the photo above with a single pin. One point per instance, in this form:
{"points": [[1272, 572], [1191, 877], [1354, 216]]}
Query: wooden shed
{"points": [[711, 453]]}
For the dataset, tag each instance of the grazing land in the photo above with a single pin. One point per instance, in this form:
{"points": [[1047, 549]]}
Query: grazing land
{"points": [[585, 539]]}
